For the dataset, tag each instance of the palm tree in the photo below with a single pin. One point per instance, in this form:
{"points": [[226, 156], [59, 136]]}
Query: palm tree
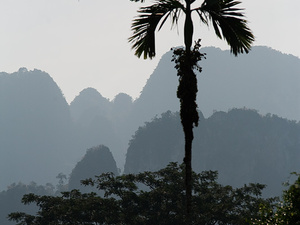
{"points": [[228, 22]]}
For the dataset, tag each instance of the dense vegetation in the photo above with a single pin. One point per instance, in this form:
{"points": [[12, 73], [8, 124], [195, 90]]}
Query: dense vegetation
{"points": [[263, 148], [97, 160], [284, 212], [148, 198]]}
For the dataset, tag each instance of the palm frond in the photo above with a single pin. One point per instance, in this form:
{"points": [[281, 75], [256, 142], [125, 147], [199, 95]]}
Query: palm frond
{"points": [[228, 22], [144, 26], [138, 1]]}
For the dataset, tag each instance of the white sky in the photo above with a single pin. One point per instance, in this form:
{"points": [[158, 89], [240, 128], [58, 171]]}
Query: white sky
{"points": [[84, 43]]}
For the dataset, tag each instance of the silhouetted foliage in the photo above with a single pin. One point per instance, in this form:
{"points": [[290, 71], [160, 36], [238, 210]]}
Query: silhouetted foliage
{"points": [[97, 160], [147, 198], [286, 212]]}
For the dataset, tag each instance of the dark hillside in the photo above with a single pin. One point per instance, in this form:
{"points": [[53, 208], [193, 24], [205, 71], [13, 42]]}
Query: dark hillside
{"points": [[241, 144], [96, 161]]}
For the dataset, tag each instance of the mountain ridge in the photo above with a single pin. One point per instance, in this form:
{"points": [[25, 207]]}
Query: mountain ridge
{"points": [[269, 84]]}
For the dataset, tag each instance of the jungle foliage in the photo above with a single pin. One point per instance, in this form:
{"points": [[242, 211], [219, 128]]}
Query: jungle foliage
{"points": [[147, 198], [284, 212]]}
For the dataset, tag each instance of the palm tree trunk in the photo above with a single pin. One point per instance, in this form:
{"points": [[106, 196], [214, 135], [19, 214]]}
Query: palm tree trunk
{"points": [[188, 29], [187, 91], [188, 132], [188, 107]]}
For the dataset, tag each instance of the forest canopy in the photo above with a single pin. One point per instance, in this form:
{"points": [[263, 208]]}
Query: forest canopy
{"points": [[147, 198]]}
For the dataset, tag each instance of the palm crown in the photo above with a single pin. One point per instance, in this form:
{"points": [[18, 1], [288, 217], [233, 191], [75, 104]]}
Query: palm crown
{"points": [[228, 22]]}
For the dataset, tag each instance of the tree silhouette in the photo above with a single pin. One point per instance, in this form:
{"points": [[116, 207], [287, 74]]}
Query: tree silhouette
{"points": [[147, 198], [229, 24]]}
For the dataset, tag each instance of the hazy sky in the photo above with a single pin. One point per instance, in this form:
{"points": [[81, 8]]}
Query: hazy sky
{"points": [[84, 43]]}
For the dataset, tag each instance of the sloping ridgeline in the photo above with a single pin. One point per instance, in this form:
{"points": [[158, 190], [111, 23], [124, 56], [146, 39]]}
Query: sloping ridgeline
{"points": [[265, 79], [35, 127], [41, 136], [96, 161], [100, 121], [241, 144]]}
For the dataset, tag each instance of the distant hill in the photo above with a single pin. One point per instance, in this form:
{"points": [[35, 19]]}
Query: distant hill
{"points": [[10, 199], [91, 120], [35, 126], [44, 136], [96, 161], [241, 144], [98, 121], [41, 136], [264, 79], [88, 104]]}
